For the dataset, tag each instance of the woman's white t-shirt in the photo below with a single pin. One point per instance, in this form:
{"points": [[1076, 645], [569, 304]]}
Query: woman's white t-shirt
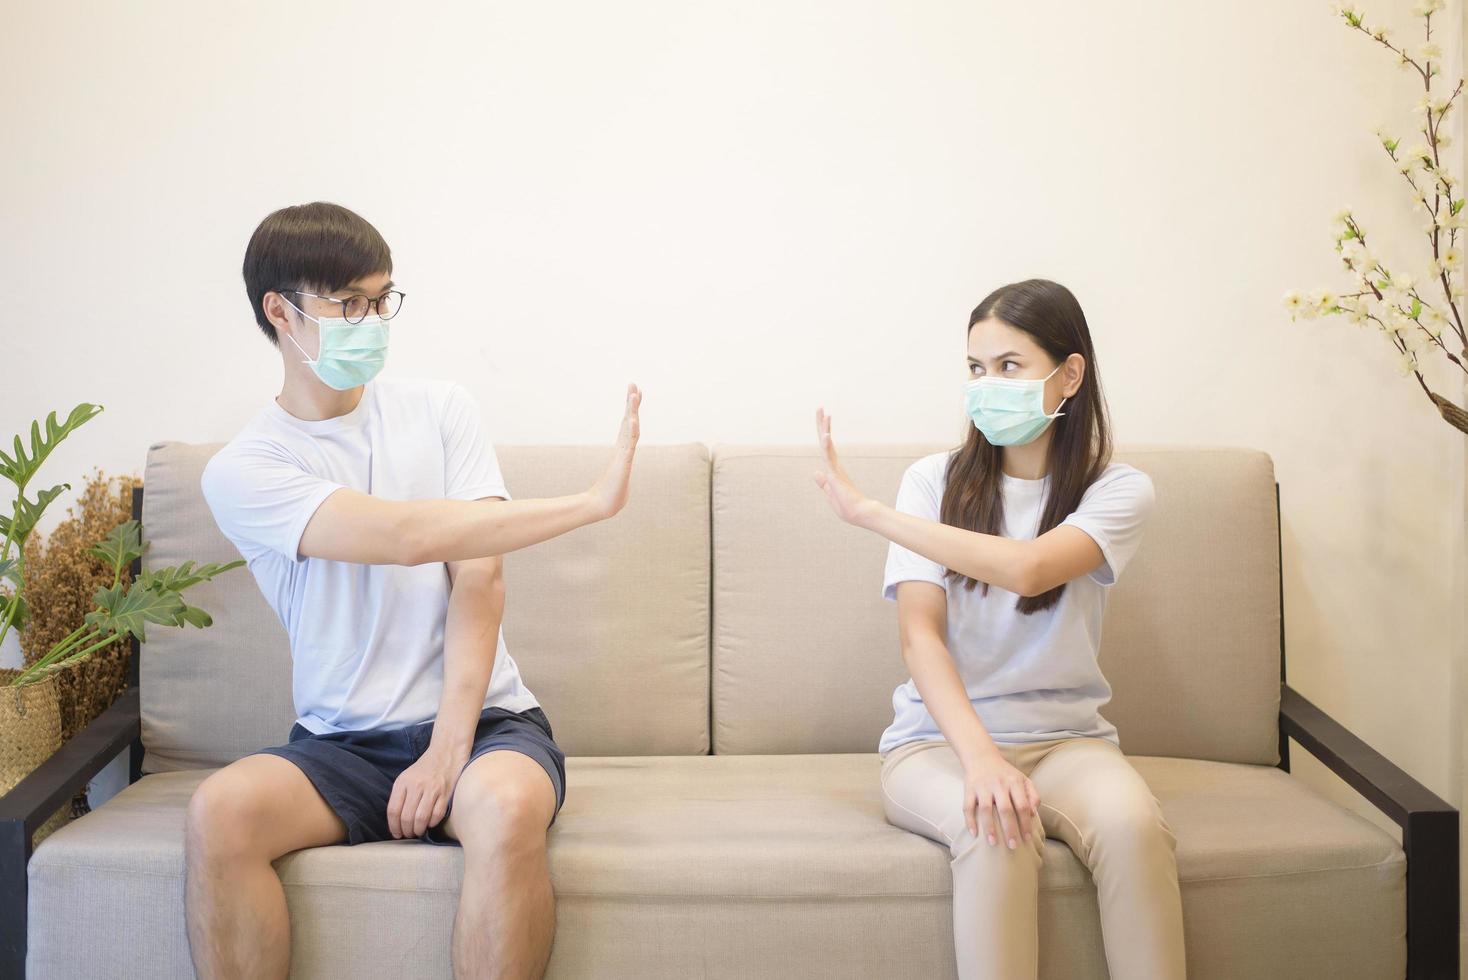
{"points": [[1034, 677], [367, 641]]}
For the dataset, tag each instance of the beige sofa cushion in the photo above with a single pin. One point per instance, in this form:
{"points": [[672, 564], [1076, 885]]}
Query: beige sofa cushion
{"points": [[609, 625], [805, 653], [748, 866]]}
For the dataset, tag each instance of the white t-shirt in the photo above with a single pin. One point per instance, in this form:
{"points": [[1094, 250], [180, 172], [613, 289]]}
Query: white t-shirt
{"points": [[366, 640], [1030, 678]]}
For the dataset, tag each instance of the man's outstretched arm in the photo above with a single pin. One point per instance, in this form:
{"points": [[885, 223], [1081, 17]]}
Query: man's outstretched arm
{"points": [[357, 527]]}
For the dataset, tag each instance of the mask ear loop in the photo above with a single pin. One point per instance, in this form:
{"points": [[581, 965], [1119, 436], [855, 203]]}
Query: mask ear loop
{"points": [[308, 358], [1058, 413]]}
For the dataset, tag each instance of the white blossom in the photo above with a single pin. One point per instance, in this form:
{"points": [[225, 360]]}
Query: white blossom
{"points": [[1433, 322]]}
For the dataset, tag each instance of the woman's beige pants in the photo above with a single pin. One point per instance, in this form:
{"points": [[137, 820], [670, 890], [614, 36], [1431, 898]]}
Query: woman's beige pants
{"points": [[1091, 798]]}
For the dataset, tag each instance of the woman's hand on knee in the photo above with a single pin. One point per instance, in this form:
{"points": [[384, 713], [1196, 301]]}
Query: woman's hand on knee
{"points": [[1000, 801]]}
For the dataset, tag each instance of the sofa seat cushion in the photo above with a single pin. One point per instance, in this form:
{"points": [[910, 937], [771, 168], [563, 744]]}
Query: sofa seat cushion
{"points": [[748, 866]]}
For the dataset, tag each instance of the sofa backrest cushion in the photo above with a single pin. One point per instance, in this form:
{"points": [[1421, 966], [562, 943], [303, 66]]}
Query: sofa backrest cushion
{"points": [[805, 650], [609, 624]]}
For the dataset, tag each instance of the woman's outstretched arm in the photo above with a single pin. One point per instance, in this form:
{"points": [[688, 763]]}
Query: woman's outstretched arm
{"points": [[1027, 567]]}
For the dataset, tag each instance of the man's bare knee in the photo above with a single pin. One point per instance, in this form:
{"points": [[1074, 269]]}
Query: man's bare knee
{"points": [[503, 805], [221, 820], [256, 810]]}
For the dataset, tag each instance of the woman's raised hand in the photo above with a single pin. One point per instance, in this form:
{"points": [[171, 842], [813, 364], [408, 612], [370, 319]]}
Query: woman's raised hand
{"points": [[845, 499]]}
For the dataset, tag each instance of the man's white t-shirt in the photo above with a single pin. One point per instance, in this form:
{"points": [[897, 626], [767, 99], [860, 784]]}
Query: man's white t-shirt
{"points": [[1036, 677], [366, 641]]}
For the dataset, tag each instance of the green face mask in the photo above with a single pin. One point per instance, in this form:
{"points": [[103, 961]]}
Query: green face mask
{"points": [[350, 354], [1009, 411]]}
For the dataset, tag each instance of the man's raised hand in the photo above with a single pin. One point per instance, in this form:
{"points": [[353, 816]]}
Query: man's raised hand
{"points": [[610, 491]]}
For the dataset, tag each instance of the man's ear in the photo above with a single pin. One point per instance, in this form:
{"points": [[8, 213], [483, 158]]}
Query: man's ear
{"points": [[277, 311]]}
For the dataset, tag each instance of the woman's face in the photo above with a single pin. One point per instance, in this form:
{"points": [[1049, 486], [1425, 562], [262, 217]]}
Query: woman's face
{"points": [[998, 350], [995, 349]]}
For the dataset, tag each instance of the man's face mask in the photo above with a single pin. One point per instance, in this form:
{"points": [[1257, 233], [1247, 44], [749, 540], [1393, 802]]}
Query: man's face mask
{"points": [[350, 354]]}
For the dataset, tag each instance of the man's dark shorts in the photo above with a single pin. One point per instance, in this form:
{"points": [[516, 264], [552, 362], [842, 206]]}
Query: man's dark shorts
{"points": [[355, 771]]}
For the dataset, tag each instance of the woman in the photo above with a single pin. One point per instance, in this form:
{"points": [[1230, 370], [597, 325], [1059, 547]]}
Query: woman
{"points": [[1001, 555]]}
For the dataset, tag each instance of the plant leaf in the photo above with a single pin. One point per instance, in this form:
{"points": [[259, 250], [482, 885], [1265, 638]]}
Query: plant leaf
{"points": [[122, 544], [30, 513], [196, 617], [18, 469], [10, 568], [176, 578], [129, 609], [22, 611]]}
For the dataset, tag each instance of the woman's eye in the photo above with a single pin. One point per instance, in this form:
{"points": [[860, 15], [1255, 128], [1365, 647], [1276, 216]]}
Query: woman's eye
{"points": [[1008, 363]]}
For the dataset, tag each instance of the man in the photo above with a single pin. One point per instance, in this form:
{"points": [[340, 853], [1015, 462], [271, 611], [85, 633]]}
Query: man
{"points": [[373, 515]]}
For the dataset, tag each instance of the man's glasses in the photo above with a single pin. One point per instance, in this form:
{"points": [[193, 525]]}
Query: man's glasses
{"points": [[355, 308]]}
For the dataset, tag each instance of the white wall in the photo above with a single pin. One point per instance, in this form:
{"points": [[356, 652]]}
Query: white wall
{"points": [[751, 209]]}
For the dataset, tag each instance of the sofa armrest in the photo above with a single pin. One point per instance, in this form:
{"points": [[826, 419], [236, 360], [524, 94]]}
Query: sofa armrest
{"points": [[32, 801], [1429, 829]]}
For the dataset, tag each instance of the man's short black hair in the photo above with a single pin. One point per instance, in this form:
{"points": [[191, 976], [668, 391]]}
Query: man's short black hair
{"points": [[318, 247]]}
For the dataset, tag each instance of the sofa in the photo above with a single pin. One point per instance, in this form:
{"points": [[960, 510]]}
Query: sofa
{"points": [[717, 663]]}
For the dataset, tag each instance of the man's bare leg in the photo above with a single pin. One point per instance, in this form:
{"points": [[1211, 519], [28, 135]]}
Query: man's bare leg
{"points": [[241, 819], [502, 805]]}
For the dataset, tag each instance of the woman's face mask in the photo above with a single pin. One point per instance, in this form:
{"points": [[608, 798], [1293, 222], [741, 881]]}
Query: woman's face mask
{"points": [[349, 354], [1009, 411]]}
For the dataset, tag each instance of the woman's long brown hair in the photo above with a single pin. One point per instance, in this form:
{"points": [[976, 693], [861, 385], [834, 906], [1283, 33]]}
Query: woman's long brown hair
{"points": [[1080, 446]]}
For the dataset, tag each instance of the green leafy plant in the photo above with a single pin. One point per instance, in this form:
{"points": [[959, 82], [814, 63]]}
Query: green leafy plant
{"points": [[155, 596]]}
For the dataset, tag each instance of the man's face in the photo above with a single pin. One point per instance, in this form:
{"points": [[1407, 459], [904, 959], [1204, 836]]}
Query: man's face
{"points": [[333, 304], [285, 308]]}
